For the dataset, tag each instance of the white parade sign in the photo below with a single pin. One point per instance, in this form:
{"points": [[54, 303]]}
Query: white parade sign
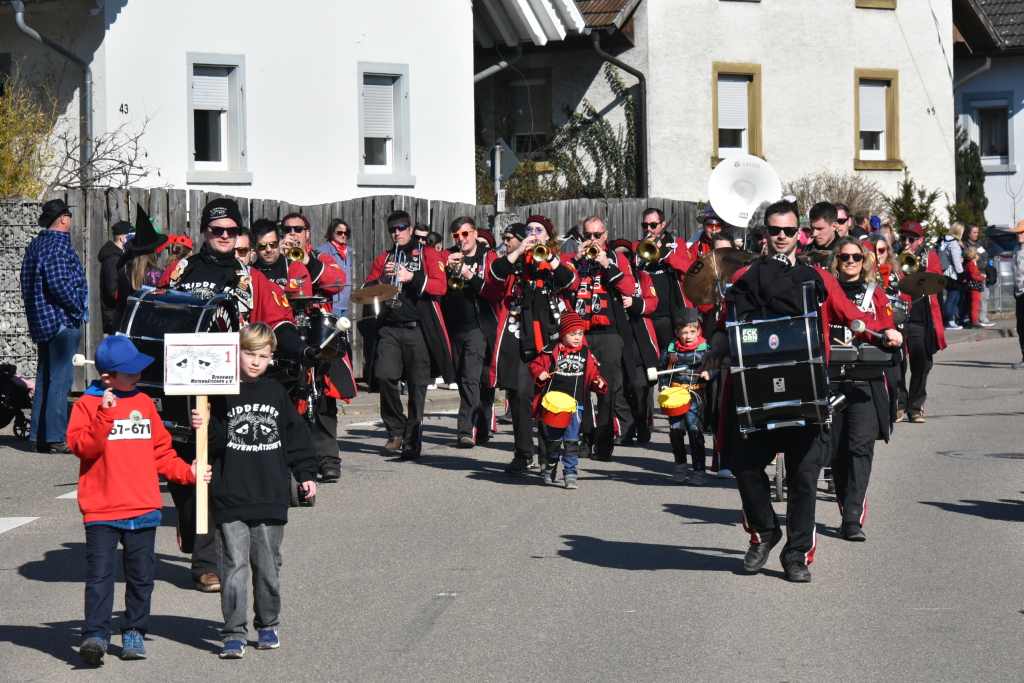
{"points": [[201, 363]]}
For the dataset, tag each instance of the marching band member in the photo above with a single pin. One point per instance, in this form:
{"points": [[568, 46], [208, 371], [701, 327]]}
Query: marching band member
{"points": [[866, 416], [411, 340], [472, 323], [288, 274], [925, 331], [824, 230], [712, 224], [326, 276], [606, 288], [666, 273], [532, 284], [776, 282]]}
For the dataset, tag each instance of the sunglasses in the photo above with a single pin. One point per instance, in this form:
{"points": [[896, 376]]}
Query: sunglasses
{"points": [[341, 233], [650, 226], [593, 235], [288, 229], [221, 232], [841, 221], [908, 238], [464, 233], [846, 258], [398, 228], [883, 250], [243, 251], [266, 245], [535, 231], [774, 231]]}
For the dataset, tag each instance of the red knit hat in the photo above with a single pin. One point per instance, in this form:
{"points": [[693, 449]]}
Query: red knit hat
{"points": [[570, 321]]}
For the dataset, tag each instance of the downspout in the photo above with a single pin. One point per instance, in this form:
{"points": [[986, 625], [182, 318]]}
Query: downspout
{"points": [[503, 64], [641, 180], [19, 19], [974, 74]]}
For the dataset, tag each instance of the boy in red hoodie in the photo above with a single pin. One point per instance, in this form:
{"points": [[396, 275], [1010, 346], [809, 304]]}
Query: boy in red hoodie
{"points": [[123, 445], [569, 367]]}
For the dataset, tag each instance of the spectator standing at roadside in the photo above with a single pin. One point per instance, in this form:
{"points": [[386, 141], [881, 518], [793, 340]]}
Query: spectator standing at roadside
{"points": [[1018, 288], [110, 255], [56, 297], [953, 248], [338, 248], [972, 238]]}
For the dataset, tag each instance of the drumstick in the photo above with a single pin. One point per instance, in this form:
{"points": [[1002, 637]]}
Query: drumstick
{"points": [[841, 343]]}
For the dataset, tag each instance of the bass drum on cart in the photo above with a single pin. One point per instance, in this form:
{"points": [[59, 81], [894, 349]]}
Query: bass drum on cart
{"points": [[152, 313]]}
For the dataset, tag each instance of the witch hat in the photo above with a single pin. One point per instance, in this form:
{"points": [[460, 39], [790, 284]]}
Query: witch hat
{"points": [[146, 237]]}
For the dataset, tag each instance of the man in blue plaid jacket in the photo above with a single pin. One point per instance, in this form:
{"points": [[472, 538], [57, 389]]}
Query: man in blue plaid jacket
{"points": [[56, 298]]}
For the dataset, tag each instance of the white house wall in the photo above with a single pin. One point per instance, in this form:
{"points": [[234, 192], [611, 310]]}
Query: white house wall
{"points": [[1005, 76], [301, 59]]}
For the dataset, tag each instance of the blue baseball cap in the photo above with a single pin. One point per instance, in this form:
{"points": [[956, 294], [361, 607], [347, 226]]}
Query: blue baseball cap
{"points": [[876, 223], [118, 354], [709, 215]]}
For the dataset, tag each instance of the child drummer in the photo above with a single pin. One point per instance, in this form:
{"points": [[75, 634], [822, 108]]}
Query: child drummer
{"points": [[564, 372], [684, 353]]}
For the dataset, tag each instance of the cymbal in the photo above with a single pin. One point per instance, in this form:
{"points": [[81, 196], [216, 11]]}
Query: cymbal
{"points": [[922, 284], [740, 258], [814, 258], [701, 284], [366, 295]]}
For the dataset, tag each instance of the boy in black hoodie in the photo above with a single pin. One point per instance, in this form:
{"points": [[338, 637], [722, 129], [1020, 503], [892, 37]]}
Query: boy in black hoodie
{"points": [[255, 437]]}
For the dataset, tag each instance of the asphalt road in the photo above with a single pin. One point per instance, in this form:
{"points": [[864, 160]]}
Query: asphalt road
{"points": [[445, 570]]}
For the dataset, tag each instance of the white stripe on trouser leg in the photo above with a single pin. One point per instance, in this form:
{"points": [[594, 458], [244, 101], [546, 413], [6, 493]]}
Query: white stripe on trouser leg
{"points": [[864, 510]]}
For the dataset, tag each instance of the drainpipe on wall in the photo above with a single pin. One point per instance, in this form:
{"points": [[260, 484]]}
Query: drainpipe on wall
{"points": [[19, 19], [974, 74], [641, 180], [503, 64]]}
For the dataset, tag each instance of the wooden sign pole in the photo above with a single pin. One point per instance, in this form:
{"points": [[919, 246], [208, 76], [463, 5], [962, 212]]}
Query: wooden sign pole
{"points": [[202, 494]]}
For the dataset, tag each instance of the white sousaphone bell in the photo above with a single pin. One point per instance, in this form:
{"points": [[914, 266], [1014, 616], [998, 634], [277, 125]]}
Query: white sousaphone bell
{"points": [[739, 184]]}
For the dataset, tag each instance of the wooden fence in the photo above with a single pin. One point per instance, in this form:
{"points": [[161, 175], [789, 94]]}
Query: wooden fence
{"points": [[96, 210]]}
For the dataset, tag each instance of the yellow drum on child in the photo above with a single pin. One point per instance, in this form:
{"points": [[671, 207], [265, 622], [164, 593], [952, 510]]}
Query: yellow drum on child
{"points": [[674, 401], [557, 409]]}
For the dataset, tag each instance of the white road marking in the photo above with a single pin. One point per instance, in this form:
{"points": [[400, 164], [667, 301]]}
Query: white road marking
{"points": [[8, 523], [73, 494]]}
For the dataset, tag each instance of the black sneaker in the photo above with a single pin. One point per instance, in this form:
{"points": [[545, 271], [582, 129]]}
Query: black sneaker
{"points": [[853, 532], [330, 474], [411, 452], [92, 651], [797, 572], [517, 466], [549, 473], [60, 448], [757, 553], [643, 435]]}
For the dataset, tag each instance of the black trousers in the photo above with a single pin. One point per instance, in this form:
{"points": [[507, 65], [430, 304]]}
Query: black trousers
{"points": [[325, 432], [920, 366], [476, 398], [1020, 324], [402, 353], [806, 450], [663, 331], [607, 349], [205, 548], [854, 430], [520, 406], [137, 560]]}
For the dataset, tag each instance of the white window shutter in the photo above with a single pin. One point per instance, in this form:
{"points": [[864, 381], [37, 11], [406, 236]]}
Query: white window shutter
{"points": [[379, 107], [528, 107], [732, 101], [872, 105], [210, 87]]}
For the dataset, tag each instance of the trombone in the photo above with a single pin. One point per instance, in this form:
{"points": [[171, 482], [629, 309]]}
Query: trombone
{"points": [[909, 264], [648, 251]]}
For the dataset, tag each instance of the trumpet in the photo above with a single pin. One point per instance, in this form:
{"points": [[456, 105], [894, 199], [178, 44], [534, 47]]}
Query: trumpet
{"points": [[909, 263], [648, 251], [295, 254], [456, 282], [540, 252], [592, 252]]}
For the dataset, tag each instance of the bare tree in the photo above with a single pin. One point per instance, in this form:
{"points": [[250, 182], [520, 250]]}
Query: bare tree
{"points": [[857, 192]]}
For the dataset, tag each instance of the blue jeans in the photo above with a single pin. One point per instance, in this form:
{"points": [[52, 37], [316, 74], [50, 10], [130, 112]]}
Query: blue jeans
{"points": [[571, 436], [952, 305], [687, 424], [137, 560], [54, 375]]}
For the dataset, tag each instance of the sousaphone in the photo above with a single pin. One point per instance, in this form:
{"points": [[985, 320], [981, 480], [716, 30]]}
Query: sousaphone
{"points": [[739, 184]]}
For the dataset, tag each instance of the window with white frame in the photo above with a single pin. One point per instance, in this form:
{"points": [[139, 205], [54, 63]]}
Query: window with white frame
{"points": [[733, 114], [216, 125], [873, 118], [529, 114], [986, 118], [384, 125]]}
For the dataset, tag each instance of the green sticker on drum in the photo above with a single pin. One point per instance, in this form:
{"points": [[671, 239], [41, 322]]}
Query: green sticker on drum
{"points": [[749, 334]]}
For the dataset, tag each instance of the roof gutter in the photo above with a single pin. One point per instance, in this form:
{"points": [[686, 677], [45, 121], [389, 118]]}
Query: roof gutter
{"points": [[503, 64], [974, 74], [19, 19], [641, 171]]}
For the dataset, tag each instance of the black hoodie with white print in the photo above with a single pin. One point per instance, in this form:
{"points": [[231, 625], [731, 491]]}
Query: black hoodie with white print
{"points": [[256, 436]]}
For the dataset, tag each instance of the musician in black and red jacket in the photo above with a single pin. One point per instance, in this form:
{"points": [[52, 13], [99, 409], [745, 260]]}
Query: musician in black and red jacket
{"points": [[290, 275], [325, 275], [411, 342], [666, 273], [532, 301], [774, 284], [606, 286], [471, 317]]}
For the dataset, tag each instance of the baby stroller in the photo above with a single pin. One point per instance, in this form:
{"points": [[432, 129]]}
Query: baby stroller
{"points": [[14, 398]]}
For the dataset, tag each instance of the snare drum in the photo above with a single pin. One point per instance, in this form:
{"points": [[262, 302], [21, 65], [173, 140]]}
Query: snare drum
{"points": [[323, 326], [778, 372]]}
